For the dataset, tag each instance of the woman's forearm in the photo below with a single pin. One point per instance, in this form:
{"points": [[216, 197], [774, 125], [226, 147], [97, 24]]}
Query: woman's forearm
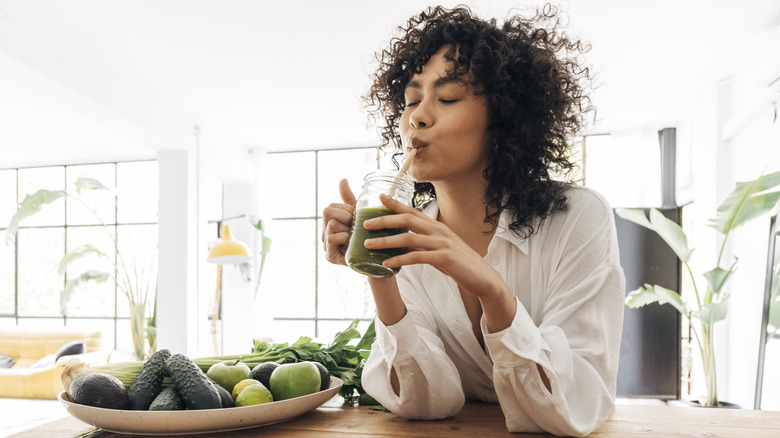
{"points": [[390, 308]]}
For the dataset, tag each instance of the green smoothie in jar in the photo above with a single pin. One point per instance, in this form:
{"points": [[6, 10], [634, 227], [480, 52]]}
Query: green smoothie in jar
{"points": [[367, 261], [358, 257]]}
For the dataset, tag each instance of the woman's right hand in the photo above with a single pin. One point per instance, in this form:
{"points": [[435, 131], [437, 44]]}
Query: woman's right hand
{"points": [[337, 220]]}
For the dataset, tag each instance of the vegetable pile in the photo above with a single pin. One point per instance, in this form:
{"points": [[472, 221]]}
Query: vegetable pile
{"points": [[342, 358]]}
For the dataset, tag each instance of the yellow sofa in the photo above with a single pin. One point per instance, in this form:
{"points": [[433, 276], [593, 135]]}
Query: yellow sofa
{"points": [[27, 346]]}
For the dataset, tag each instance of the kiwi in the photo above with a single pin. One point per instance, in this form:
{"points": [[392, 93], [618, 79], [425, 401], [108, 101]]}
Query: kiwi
{"points": [[99, 390]]}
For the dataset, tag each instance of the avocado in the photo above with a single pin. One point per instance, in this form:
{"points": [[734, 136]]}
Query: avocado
{"points": [[99, 390], [324, 376], [224, 395], [147, 384], [262, 372], [195, 389], [167, 400]]}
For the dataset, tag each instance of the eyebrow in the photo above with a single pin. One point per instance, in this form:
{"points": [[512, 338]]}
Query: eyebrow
{"points": [[444, 80]]}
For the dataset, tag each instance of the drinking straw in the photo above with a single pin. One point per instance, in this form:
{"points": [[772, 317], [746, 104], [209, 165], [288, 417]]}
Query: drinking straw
{"points": [[402, 172]]}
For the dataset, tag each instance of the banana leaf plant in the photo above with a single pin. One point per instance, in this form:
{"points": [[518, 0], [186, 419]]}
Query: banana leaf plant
{"points": [[748, 201], [265, 247], [138, 286]]}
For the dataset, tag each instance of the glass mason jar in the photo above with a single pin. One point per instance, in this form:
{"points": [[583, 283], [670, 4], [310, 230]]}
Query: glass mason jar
{"points": [[366, 261]]}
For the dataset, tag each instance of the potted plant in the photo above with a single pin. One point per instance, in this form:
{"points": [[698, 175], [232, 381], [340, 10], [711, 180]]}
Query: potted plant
{"points": [[748, 201], [139, 286]]}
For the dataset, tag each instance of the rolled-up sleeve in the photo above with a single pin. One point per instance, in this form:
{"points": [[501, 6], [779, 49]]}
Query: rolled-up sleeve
{"points": [[430, 386], [575, 340]]}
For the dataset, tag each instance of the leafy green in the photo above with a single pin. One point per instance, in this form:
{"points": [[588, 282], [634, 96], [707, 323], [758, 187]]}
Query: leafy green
{"points": [[341, 357]]}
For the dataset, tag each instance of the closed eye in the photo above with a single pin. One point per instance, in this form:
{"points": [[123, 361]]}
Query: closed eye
{"points": [[448, 101], [412, 104]]}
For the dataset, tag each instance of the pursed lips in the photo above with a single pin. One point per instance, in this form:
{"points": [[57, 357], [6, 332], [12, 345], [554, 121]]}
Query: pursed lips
{"points": [[418, 144]]}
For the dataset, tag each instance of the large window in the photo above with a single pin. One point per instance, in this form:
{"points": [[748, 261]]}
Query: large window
{"points": [[311, 296], [30, 284]]}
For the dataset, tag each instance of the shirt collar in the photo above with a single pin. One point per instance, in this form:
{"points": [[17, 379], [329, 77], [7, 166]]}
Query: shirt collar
{"points": [[503, 231]]}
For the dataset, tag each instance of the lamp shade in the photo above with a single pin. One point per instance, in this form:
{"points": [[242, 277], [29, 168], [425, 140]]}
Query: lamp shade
{"points": [[228, 251]]}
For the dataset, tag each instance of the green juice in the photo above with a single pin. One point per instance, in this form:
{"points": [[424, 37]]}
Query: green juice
{"points": [[365, 261]]}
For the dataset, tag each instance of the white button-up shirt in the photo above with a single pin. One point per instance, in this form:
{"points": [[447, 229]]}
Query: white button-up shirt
{"points": [[570, 288]]}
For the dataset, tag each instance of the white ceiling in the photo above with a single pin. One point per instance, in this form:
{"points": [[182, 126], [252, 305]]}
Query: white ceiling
{"points": [[289, 74]]}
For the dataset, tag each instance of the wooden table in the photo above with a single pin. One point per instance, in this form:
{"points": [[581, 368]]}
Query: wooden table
{"points": [[476, 420]]}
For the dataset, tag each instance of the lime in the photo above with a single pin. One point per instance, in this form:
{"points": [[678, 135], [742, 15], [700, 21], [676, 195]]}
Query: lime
{"points": [[241, 385], [254, 394]]}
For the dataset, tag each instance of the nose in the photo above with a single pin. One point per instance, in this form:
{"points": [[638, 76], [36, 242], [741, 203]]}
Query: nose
{"points": [[421, 117]]}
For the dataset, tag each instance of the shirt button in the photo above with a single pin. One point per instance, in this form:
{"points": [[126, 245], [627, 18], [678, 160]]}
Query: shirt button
{"points": [[494, 261]]}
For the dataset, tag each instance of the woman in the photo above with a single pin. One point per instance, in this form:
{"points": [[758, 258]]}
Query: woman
{"points": [[511, 290]]}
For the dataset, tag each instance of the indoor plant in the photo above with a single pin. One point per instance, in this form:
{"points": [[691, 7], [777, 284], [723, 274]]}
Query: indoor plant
{"points": [[138, 285], [748, 201]]}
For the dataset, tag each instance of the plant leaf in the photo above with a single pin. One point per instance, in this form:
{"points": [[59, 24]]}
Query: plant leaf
{"points": [[730, 213], [30, 205], [265, 248], [257, 223], [368, 338], [672, 234], [716, 278], [754, 207], [246, 271], [83, 184], [667, 229], [713, 312], [76, 254], [342, 338], [71, 285], [648, 294], [634, 215]]}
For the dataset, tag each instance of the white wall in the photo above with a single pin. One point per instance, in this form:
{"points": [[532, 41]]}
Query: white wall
{"points": [[177, 288]]}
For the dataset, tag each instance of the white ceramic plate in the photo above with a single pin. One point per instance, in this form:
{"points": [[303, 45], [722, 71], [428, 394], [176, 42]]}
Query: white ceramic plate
{"points": [[198, 421]]}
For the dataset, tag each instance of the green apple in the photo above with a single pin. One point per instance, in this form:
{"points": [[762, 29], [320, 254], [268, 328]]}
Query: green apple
{"points": [[229, 372], [292, 380]]}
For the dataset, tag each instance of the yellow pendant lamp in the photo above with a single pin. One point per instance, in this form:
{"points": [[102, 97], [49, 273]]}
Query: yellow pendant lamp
{"points": [[228, 251], [225, 252]]}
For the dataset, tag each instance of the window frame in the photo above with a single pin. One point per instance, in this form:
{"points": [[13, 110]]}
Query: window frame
{"points": [[116, 316]]}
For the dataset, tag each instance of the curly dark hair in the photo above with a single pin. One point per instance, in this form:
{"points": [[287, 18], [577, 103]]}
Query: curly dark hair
{"points": [[536, 88]]}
